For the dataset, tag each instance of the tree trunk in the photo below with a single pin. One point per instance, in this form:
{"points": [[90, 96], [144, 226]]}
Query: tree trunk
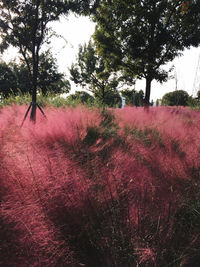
{"points": [[147, 91], [35, 58], [34, 91], [103, 94], [34, 105], [34, 87]]}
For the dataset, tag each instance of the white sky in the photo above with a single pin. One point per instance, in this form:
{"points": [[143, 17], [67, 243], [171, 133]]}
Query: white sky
{"points": [[78, 30]]}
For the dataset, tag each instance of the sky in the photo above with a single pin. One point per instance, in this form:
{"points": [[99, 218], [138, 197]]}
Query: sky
{"points": [[78, 30]]}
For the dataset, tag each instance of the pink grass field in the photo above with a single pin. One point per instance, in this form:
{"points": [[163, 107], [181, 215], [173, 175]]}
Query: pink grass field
{"points": [[86, 188]]}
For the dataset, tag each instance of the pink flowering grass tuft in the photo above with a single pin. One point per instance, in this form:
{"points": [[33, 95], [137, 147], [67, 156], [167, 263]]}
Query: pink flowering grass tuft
{"points": [[91, 188]]}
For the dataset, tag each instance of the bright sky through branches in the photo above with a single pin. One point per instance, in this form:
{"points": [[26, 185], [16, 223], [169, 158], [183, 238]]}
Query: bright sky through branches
{"points": [[77, 30]]}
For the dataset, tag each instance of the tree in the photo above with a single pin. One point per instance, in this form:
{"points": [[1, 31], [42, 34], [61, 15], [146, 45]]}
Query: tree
{"points": [[139, 36], [85, 7], [112, 98], [90, 72], [176, 98], [133, 97], [198, 94], [7, 81], [49, 78], [22, 77], [158, 102], [81, 96], [24, 24], [14, 78]]}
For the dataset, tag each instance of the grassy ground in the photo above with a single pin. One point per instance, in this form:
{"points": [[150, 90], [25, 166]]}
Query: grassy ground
{"points": [[86, 188]]}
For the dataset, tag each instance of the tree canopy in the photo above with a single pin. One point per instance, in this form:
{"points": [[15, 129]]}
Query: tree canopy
{"points": [[90, 72], [81, 96], [139, 36], [49, 78], [133, 97], [175, 98], [15, 78], [7, 80]]}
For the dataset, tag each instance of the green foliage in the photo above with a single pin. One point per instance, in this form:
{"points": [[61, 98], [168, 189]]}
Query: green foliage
{"points": [[176, 98], [7, 80], [158, 102], [22, 77], [23, 24], [20, 99], [106, 130], [50, 99], [148, 136], [138, 37], [86, 7], [15, 78], [112, 98], [47, 100], [198, 95], [82, 97], [133, 97], [194, 102], [91, 136], [91, 73], [49, 79]]}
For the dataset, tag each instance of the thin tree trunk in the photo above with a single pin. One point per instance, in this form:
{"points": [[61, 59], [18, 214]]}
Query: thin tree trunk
{"points": [[34, 88], [34, 103], [35, 58], [103, 95]]}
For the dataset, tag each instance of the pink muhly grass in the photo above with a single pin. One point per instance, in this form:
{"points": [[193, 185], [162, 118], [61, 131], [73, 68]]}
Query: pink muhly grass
{"points": [[34, 176], [178, 130], [117, 196], [165, 168], [37, 239]]}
